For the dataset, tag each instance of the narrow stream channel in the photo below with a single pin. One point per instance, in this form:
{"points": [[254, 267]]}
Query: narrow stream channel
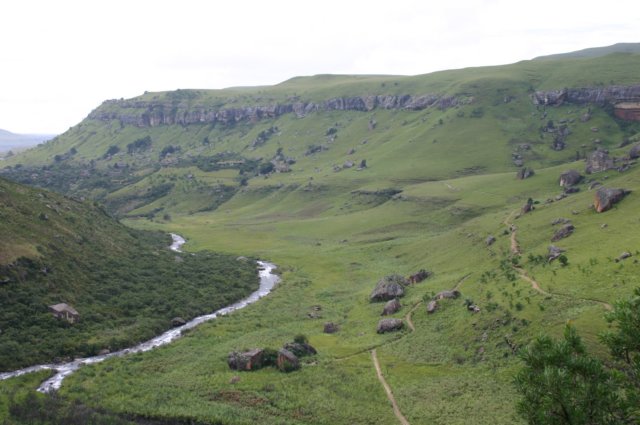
{"points": [[267, 281]]}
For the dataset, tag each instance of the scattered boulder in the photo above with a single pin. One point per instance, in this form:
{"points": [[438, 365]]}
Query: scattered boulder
{"points": [[528, 207], [330, 328], [598, 161], [473, 308], [593, 185], [287, 361], [634, 153], [388, 288], [490, 240], [392, 306], [554, 252], [420, 276], [432, 306], [389, 325], [178, 321], [571, 189], [570, 178], [560, 220], [623, 256], [447, 295], [300, 349], [315, 312], [524, 173], [563, 232], [248, 360], [605, 198], [585, 117]]}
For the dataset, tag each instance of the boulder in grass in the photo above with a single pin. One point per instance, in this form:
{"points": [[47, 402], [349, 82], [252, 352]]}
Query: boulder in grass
{"points": [[389, 325], [300, 349], [563, 232], [388, 288], [287, 361], [634, 153], [606, 197], [330, 328], [570, 178], [432, 307], [447, 295], [248, 360], [623, 256], [490, 240], [391, 307]]}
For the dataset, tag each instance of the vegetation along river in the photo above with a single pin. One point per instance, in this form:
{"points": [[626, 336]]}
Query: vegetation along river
{"points": [[267, 281]]}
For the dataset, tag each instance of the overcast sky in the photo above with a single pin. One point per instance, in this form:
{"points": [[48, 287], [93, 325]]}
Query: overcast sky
{"points": [[60, 59]]}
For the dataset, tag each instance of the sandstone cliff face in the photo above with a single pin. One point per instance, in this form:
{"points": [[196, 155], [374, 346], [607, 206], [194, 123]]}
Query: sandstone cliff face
{"points": [[596, 95], [152, 114]]}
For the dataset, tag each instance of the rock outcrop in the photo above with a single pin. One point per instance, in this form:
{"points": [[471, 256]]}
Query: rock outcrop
{"points": [[388, 288], [389, 325], [392, 306], [606, 197], [587, 95], [170, 111]]}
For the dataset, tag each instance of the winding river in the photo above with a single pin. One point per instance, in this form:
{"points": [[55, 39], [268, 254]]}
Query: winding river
{"points": [[267, 281]]}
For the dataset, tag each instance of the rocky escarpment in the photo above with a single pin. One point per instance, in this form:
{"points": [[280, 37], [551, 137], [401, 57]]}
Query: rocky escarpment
{"points": [[141, 113], [588, 95]]}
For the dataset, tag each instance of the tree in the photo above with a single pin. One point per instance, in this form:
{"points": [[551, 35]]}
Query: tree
{"points": [[624, 344], [562, 384]]}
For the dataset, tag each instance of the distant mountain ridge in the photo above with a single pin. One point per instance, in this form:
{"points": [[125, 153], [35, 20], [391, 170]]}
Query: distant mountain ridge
{"points": [[9, 140], [595, 52]]}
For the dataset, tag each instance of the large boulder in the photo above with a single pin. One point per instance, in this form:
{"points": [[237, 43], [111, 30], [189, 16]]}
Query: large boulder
{"points": [[554, 252], [248, 360], [563, 232], [178, 321], [606, 197], [300, 349], [391, 307], [388, 288], [287, 361], [570, 177], [418, 277], [389, 325], [598, 161], [524, 173], [452, 295]]}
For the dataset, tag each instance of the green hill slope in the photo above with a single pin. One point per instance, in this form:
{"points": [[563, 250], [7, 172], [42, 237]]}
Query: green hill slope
{"points": [[126, 284], [278, 173]]}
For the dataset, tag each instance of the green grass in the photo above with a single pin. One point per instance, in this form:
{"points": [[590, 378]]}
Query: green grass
{"points": [[334, 234]]}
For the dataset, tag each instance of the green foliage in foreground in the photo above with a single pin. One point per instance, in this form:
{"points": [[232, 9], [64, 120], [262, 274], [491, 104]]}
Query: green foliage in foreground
{"points": [[562, 384], [126, 284]]}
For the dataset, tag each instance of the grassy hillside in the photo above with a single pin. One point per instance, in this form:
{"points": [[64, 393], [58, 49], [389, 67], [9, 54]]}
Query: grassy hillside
{"points": [[125, 283], [438, 182]]}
